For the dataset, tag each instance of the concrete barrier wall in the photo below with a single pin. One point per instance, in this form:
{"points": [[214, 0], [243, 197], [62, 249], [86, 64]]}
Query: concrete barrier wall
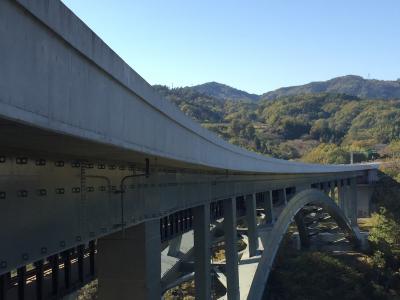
{"points": [[56, 74]]}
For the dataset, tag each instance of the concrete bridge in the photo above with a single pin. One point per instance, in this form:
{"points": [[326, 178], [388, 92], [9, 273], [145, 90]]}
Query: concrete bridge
{"points": [[99, 175]]}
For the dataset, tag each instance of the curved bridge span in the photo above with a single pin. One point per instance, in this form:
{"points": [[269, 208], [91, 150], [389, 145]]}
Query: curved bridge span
{"points": [[271, 246], [99, 174]]}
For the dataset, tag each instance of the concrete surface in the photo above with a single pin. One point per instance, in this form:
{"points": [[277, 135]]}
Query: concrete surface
{"points": [[59, 76]]}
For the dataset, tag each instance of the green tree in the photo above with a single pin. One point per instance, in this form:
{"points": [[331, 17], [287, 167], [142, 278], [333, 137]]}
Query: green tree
{"points": [[327, 154]]}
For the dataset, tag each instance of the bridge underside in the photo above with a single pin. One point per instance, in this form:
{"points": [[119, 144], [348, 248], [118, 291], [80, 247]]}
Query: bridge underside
{"points": [[63, 202], [24, 139]]}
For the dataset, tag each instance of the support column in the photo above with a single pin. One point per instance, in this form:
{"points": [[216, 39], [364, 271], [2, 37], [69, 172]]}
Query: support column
{"points": [[284, 196], [332, 193], [268, 207], [364, 199], [325, 188], [175, 246], [251, 221], [129, 263], [202, 253], [281, 197], [353, 201], [346, 202], [302, 228], [231, 250], [341, 195], [347, 199]]}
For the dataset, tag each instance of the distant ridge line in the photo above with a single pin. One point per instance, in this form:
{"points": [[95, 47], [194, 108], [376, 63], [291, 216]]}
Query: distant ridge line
{"points": [[351, 85]]}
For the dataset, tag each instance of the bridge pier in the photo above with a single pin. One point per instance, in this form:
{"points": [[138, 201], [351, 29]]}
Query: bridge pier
{"points": [[129, 263], [231, 253], [341, 195], [251, 220], [352, 199], [302, 229], [268, 207], [202, 252], [364, 198], [346, 202], [175, 246], [347, 196], [281, 197], [299, 219], [325, 187], [285, 199], [332, 192]]}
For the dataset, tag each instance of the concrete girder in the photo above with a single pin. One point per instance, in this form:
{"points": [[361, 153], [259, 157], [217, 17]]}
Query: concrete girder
{"points": [[67, 214]]}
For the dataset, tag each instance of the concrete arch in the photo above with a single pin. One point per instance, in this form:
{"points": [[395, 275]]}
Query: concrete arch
{"points": [[310, 196]]}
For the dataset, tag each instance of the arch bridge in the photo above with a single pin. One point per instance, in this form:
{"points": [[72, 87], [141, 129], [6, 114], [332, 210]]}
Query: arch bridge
{"points": [[100, 176]]}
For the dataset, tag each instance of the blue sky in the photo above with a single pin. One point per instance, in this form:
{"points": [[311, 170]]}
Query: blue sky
{"points": [[255, 45]]}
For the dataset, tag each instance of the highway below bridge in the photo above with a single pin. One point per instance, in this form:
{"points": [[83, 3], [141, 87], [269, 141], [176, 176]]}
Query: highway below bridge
{"points": [[99, 175]]}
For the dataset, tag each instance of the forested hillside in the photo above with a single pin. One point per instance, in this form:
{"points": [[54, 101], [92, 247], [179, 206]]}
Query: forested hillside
{"points": [[298, 126], [349, 85], [225, 92], [321, 128]]}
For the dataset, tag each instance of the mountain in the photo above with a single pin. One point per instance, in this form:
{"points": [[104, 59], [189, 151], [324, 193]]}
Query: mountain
{"points": [[198, 106], [225, 92], [351, 85]]}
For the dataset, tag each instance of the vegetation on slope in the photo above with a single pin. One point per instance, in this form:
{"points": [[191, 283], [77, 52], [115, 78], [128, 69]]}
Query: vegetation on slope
{"points": [[225, 92], [316, 275], [350, 85], [290, 127]]}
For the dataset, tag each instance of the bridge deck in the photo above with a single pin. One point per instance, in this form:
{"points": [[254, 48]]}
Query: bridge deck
{"points": [[60, 77]]}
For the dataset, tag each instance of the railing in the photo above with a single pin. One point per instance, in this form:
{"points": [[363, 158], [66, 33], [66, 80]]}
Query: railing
{"points": [[42, 280]]}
